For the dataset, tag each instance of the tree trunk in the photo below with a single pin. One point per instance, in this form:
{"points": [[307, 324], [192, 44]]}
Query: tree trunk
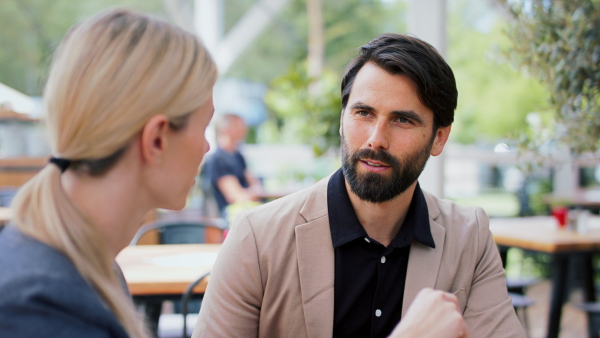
{"points": [[316, 43]]}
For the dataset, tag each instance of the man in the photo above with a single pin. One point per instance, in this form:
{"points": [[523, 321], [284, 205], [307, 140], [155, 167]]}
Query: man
{"points": [[225, 170], [347, 257]]}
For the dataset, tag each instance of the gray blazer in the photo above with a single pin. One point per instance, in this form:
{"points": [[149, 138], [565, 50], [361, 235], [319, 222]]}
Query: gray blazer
{"points": [[43, 295], [274, 275]]}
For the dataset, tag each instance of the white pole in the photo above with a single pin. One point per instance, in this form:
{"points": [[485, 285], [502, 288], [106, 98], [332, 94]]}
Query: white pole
{"points": [[208, 22], [427, 21]]}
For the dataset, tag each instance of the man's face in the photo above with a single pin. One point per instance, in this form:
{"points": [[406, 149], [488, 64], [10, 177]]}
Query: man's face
{"points": [[238, 130], [387, 135]]}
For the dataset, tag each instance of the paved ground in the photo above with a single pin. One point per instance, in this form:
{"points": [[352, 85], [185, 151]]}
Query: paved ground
{"points": [[573, 323]]}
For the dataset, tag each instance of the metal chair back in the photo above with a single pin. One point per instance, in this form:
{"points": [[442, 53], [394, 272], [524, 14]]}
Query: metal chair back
{"points": [[185, 299], [176, 231]]}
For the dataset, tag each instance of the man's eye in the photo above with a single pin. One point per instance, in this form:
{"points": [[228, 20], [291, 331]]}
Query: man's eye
{"points": [[403, 120], [363, 113]]}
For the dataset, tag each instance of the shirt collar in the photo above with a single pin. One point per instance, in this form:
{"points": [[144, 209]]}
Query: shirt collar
{"points": [[345, 226], [343, 222]]}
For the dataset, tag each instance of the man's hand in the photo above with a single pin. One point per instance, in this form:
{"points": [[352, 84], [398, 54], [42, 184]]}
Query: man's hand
{"points": [[433, 314]]}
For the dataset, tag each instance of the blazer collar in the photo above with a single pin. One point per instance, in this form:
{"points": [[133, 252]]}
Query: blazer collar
{"points": [[424, 262], [432, 205], [316, 263]]}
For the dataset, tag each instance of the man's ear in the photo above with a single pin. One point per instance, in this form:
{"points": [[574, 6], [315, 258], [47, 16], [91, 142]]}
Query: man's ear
{"points": [[154, 139], [441, 137]]}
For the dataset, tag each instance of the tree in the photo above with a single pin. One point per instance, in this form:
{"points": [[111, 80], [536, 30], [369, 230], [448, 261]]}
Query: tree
{"points": [[302, 115], [30, 31], [304, 102], [494, 99], [559, 43]]}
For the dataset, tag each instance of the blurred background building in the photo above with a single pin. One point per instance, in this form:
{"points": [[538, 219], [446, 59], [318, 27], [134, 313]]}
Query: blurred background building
{"points": [[280, 62]]}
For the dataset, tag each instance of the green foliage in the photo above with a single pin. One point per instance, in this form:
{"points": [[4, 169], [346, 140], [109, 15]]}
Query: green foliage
{"points": [[527, 264], [300, 115], [30, 31], [493, 99], [348, 24], [538, 189], [495, 203], [234, 209], [559, 43], [310, 116]]}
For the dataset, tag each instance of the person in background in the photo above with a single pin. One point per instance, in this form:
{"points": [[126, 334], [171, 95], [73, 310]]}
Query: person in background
{"points": [[348, 256], [128, 100], [225, 170]]}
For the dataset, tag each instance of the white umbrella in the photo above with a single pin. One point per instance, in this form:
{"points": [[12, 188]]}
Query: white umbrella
{"points": [[15, 100]]}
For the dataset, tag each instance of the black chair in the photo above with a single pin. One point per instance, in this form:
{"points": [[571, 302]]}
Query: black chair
{"points": [[519, 285], [179, 231], [171, 324], [592, 310], [521, 303], [174, 232], [186, 297], [517, 288]]}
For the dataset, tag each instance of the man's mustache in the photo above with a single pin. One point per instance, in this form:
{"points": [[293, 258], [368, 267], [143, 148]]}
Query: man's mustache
{"points": [[380, 156]]}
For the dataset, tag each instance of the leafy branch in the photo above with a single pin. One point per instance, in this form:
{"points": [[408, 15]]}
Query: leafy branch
{"points": [[558, 41]]}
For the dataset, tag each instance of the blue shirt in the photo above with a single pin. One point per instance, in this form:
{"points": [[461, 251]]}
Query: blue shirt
{"points": [[222, 163]]}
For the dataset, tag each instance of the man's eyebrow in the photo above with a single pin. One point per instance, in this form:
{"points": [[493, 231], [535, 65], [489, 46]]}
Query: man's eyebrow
{"points": [[409, 114], [358, 105]]}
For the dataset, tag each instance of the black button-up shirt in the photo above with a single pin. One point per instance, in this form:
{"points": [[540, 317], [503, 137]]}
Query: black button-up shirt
{"points": [[369, 277]]}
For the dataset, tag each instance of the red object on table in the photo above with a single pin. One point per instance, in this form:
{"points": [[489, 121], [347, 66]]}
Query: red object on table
{"points": [[560, 214]]}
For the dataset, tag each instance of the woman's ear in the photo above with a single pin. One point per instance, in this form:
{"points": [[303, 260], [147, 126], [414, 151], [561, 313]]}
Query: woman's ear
{"points": [[154, 139]]}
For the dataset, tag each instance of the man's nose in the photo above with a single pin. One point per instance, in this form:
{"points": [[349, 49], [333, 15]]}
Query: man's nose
{"points": [[378, 138]]}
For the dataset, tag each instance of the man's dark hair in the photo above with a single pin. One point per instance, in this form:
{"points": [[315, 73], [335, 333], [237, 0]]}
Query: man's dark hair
{"points": [[419, 61]]}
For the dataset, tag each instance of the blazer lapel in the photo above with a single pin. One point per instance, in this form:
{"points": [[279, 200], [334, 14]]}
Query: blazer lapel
{"points": [[316, 270], [316, 264], [423, 265]]}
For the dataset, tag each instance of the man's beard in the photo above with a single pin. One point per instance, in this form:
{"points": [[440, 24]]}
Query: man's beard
{"points": [[378, 188]]}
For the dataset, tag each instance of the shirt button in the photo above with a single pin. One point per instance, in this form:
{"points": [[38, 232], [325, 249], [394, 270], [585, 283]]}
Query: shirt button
{"points": [[383, 259], [377, 313], [367, 240]]}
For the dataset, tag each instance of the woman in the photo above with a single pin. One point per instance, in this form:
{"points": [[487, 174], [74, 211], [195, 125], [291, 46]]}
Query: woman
{"points": [[128, 100]]}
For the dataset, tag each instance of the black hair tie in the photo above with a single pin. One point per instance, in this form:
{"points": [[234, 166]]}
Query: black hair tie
{"points": [[61, 163]]}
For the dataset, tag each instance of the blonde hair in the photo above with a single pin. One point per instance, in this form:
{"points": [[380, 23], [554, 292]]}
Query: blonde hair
{"points": [[111, 74]]}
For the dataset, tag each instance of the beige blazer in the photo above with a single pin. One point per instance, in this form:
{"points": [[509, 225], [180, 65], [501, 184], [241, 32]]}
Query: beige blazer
{"points": [[274, 275]]}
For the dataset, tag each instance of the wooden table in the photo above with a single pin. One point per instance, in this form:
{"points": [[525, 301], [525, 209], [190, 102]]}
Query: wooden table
{"points": [[156, 270], [14, 172], [155, 273], [5, 215], [542, 234]]}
